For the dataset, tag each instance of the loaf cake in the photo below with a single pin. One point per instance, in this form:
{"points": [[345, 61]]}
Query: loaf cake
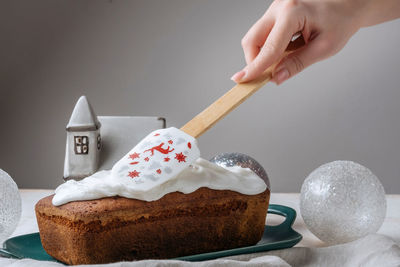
{"points": [[120, 229], [161, 200]]}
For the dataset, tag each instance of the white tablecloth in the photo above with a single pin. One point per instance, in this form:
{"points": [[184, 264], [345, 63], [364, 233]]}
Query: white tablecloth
{"points": [[380, 249]]}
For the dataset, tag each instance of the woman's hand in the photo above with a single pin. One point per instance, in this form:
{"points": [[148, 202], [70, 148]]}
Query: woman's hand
{"points": [[326, 26]]}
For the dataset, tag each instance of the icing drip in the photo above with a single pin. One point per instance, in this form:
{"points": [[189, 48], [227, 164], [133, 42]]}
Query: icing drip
{"points": [[167, 160], [201, 173]]}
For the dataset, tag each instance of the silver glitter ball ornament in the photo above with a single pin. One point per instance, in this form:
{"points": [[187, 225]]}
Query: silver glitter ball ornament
{"points": [[242, 160], [10, 206], [342, 201]]}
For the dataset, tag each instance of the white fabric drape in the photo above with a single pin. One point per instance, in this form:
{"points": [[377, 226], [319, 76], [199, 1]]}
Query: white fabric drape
{"points": [[372, 250]]}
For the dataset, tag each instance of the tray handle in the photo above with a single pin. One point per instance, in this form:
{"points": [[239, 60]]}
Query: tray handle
{"points": [[287, 212], [6, 254]]}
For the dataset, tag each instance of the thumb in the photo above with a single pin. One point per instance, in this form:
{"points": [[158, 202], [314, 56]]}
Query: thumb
{"points": [[300, 59]]}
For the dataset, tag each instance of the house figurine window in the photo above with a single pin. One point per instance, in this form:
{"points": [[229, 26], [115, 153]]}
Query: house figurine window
{"points": [[81, 144]]}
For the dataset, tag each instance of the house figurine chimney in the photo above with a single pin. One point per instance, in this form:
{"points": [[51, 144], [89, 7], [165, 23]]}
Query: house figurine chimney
{"points": [[82, 151]]}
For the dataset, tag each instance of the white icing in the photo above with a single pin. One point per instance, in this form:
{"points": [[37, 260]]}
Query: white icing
{"points": [[165, 161], [201, 173]]}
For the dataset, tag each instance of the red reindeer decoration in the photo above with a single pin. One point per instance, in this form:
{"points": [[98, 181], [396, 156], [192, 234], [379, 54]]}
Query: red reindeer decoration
{"points": [[159, 149]]}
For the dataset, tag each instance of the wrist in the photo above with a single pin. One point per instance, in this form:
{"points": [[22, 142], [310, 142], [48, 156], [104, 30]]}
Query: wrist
{"points": [[359, 11], [363, 13], [372, 12]]}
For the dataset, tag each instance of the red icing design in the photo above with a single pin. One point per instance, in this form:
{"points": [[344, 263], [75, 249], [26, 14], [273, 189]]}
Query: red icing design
{"points": [[170, 142], [134, 155], [166, 159], [158, 171], [180, 157], [159, 149], [146, 159], [189, 145], [133, 163], [157, 134], [134, 174]]}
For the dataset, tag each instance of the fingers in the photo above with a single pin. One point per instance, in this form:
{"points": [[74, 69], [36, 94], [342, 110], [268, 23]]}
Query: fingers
{"points": [[271, 51], [255, 38], [297, 61], [273, 48]]}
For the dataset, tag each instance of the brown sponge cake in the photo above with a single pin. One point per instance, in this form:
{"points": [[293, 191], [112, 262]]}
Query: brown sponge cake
{"points": [[116, 228]]}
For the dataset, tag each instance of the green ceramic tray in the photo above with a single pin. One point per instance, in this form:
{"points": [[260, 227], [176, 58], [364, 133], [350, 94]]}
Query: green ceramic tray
{"points": [[274, 237]]}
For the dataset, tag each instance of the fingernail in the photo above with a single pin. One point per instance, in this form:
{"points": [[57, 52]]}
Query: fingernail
{"points": [[281, 76], [237, 77]]}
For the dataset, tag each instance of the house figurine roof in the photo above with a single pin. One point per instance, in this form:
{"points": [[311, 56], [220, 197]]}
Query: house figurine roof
{"points": [[83, 117]]}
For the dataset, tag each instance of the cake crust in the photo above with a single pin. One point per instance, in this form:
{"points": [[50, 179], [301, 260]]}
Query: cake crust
{"points": [[116, 228]]}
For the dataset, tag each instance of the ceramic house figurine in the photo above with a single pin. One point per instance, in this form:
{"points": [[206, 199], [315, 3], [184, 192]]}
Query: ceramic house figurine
{"points": [[83, 142], [96, 142]]}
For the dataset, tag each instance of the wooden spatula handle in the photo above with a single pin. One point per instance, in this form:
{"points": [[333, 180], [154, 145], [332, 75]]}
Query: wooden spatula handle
{"points": [[225, 104], [233, 98]]}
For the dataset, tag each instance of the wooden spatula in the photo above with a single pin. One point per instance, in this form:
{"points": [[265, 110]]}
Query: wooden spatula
{"points": [[231, 99]]}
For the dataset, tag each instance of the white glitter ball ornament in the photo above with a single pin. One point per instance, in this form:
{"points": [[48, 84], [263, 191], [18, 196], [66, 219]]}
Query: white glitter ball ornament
{"points": [[10, 205], [342, 201]]}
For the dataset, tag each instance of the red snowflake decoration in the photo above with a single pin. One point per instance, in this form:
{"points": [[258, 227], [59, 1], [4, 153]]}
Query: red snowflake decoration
{"points": [[180, 157], [189, 145], [158, 171], [170, 142], [134, 155], [134, 162], [166, 159], [133, 174], [157, 134], [146, 159]]}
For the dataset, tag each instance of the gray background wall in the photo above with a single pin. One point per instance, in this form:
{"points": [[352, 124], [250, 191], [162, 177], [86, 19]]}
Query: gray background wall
{"points": [[173, 58]]}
